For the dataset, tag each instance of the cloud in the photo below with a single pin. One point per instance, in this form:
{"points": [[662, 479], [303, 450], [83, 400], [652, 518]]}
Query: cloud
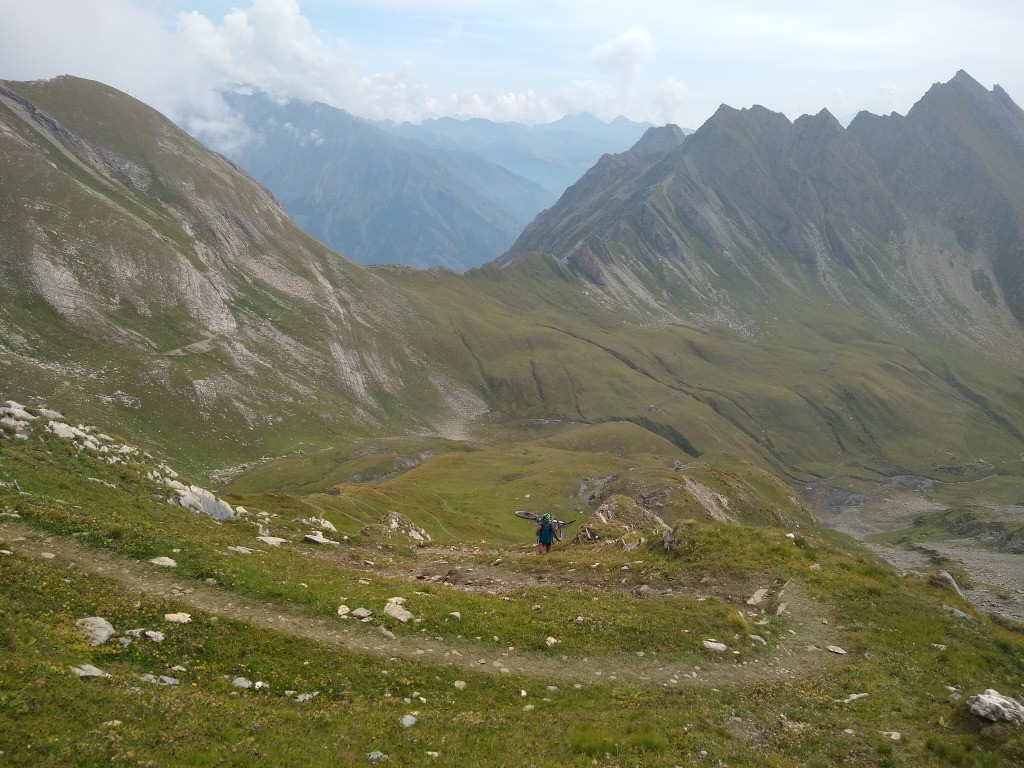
{"points": [[626, 56]]}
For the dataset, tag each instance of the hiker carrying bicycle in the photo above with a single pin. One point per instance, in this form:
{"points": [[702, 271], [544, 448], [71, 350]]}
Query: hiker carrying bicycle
{"points": [[545, 534]]}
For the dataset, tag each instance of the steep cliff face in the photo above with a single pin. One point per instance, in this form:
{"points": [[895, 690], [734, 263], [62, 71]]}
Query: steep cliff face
{"points": [[912, 222], [139, 269]]}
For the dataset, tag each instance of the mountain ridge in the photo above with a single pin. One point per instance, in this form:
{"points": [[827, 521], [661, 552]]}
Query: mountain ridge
{"points": [[755, 202]]}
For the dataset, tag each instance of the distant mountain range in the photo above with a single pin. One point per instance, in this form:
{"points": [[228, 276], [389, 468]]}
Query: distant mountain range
{"points": [[445, 193]]}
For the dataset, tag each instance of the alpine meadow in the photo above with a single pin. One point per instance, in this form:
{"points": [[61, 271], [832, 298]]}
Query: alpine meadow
{"points": [[258, 501]]}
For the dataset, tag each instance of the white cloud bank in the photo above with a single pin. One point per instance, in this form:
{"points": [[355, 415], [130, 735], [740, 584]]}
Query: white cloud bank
{"points": [[655, 60]]}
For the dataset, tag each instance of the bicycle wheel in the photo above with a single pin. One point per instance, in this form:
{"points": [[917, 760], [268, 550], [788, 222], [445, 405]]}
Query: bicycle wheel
{"points": [[557, 526], [527, 515]]}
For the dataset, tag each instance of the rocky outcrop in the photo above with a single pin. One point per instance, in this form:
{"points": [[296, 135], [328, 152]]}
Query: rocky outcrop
{"points": [[621, 521], [992, 705], [395, 527]]}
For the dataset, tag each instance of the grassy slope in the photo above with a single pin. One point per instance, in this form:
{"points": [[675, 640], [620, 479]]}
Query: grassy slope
{"points": [[782, 720]]}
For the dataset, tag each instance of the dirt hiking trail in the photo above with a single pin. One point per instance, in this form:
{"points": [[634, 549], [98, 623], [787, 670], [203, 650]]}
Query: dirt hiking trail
{"points": [[800, 653]]}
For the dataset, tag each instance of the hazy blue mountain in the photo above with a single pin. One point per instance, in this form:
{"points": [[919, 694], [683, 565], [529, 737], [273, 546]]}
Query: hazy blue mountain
{"points": [[553, 155], [378, 198]]}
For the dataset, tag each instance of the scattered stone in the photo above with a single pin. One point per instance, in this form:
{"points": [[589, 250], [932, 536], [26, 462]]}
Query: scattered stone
{"points": [[148, 678], [394, 524], [178, 618], [47, 555], [816, 567], [240, 550], [758, 597], [715, 646], [273, 541], [318, 538], [460, 684], [534, 607], [344, 610], [455, 615], [836, 649], [242, 682], [95, 629], [940, 646], [375, 755], [892, 735], [992, 705], [396, 611], [111, 723], [165, 562], [851, 698], [550, 642], [387, 633], [88, 670], [361, 613], [759, 640], [408, 721], [307, 696], [156, 637]]}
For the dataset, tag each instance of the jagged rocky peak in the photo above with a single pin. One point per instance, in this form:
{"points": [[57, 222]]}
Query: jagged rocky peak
{"points": [[658, 141]]}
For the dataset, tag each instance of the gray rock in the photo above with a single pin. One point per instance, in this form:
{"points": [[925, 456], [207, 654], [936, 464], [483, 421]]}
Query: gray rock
{"points": [[376, 755], [396, 611], [713, 645], [156, 637], [361, 613], [273, 541], [386, 633], [95, 629], [992, 705], [837, 650], [178, 618], [408, 721], [758, 597], [242, 682], [318, 538], [307, 696], [460, 684], [88, 670], [165, 562]]}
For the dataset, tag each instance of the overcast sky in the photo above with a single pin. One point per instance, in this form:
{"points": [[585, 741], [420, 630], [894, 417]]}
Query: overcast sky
{"points": [[529, 61]]}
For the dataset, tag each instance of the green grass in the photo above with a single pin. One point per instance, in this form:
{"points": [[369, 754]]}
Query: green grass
{"points": [[890, 627]]}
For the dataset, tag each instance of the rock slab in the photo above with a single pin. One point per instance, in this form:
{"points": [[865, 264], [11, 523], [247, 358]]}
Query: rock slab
{"points": [[993, 706]]}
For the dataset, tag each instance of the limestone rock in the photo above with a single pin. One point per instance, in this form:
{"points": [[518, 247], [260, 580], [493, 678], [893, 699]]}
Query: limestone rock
{"points": [[318, 538], [715, 646], [95, 629], [273, 541], [88, 670], [242, 682], [344, 610], [164, 562], [460, 685], [992, 705], [837, 650], [361, 613], [395, 525], [178, 618], [396, 611], [408, 721], [758, 597]]}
